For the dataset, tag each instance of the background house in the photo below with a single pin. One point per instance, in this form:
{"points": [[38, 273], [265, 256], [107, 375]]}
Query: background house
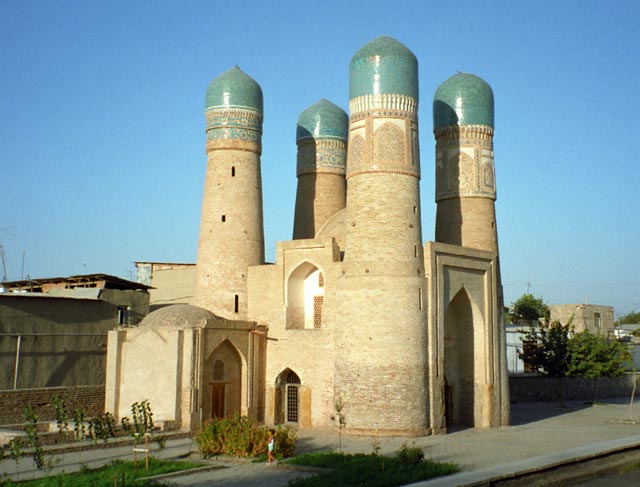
{"points": [[53, 337], [592, 317]]}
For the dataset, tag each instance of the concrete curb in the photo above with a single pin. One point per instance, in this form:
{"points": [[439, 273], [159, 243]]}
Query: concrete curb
{"points": [[581, 463]]}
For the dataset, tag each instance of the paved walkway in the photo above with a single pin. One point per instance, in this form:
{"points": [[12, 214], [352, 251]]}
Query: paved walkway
{"points": [[542, 434]]}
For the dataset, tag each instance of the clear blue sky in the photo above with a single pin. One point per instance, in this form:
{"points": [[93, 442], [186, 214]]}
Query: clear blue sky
{"points": [[102, 127]]}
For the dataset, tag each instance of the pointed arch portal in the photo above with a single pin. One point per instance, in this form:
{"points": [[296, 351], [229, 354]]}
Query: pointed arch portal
{"points": [[223, 373], [463, 342]]}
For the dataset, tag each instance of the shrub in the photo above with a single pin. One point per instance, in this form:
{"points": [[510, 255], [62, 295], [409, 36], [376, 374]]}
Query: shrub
{"points": [[142, 417], [240, 436], [102, 427], [33, 440], [410, 455], [285, 442], [62, 418]]}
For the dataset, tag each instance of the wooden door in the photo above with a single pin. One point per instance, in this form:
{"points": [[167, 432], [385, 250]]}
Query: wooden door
{"points": [[217, 400]]}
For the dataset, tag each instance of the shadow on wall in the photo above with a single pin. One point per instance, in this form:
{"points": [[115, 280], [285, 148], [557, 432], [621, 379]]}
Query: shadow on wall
{"points": [[304, 218]]}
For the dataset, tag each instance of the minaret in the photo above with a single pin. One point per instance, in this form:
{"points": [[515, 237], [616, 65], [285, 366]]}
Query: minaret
{"points": [[322, 151], [465, 182], [231, 227], [381, 329]]}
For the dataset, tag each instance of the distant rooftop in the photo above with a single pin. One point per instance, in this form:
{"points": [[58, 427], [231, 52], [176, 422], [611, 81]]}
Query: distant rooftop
{"points": [[98, 281]]}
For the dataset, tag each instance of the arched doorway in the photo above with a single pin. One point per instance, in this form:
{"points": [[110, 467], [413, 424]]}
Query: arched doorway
{"points": [[462, 335], [287, 401], [222, 374]]}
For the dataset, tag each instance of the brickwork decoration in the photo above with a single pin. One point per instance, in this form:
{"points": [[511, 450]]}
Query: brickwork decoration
{"points": [[464, 162], [321, 156]]}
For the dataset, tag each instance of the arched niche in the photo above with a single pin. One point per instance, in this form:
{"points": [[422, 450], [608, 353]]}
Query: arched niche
{"points": [[305, 297], [464, 339], [222, 374]]}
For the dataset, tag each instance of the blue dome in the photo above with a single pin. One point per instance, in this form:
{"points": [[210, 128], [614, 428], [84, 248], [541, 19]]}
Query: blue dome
{"points": [[384, 65], [234, 88], [323, 119], [463, 99]]}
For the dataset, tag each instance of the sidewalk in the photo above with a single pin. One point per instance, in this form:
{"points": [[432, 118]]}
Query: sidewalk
{"points": [[542, 434]]}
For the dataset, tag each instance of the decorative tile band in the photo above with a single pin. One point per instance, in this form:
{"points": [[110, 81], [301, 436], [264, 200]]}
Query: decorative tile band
{"points": [[233, 129], [233, 133], [400, 105], [326, 155], [235, 118], [464, 162], [455, 132]]}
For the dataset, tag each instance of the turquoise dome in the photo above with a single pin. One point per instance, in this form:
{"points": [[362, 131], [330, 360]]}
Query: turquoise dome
{"points": [[234, 88], [383, 66], [464, 99], [323, 119]]}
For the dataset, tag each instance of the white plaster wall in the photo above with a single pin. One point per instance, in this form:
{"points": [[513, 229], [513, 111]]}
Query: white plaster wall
{"points": [[150, 359]]}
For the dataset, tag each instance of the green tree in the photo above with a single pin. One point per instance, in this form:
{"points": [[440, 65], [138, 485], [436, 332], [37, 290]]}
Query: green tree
{"points": [[528, 307], [632, 318], [593, 356], [546, 349]]}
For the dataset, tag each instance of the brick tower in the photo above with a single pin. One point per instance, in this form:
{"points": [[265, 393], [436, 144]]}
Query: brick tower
{"points": [[381, 328], [322, 150], [465, 182], [231, 226]]}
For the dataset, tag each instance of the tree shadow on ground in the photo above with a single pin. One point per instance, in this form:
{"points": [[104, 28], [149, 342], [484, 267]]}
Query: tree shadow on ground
{"points": [[531, 412]]}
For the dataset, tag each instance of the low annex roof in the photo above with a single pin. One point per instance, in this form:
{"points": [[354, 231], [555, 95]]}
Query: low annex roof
{"points": [[99, 281]]}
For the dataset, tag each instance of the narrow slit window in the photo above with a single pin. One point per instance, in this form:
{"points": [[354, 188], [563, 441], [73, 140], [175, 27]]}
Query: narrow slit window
{"points": [[419, 298], [224, 218], [415, 251], [233, 171], [236, 303]]}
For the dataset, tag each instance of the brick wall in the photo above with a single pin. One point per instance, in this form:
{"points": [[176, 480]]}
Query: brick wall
{"points": [[539, 388], [88, 399]]}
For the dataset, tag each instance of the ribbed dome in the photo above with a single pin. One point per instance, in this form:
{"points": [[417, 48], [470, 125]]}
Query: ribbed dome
{"points": [[464, 99], [177, 316], [234, 88], [384, 65], [322, 119]]}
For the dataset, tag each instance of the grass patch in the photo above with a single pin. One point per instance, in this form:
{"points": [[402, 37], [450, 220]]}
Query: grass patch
{"points": [[362, 470], [103, 476]]}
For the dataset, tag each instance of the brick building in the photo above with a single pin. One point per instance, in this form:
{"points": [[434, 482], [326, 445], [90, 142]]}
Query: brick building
{"points": [[356, 310]]}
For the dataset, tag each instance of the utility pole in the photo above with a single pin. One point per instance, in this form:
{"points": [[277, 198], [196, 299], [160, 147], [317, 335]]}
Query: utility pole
{"points": [[2, 256], [4, 264]]}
